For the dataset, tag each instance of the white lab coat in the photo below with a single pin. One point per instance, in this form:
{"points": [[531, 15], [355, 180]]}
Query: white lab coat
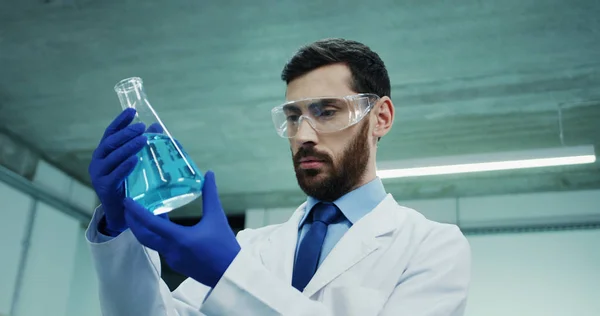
{"points": [[393, 261]]}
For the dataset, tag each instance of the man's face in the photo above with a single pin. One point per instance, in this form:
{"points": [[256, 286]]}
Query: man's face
{"points": [[328, 165]]}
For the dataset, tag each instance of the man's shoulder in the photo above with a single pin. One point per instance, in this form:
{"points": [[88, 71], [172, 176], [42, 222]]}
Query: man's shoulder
{"points": [[251, 235], [431, 232]]}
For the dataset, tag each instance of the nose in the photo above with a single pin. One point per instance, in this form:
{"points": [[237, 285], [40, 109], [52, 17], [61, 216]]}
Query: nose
{"points": [[306, 133]]}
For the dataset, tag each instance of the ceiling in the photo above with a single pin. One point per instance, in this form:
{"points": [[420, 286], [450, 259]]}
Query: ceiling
{"points": [[467, 77]]}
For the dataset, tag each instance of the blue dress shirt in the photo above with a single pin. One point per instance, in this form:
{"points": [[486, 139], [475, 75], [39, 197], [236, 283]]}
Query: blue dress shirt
{"points": [[354, 205]]}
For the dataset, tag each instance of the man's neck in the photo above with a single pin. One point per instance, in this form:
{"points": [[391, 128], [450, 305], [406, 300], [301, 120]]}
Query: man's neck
{"points": [[367, 177]]}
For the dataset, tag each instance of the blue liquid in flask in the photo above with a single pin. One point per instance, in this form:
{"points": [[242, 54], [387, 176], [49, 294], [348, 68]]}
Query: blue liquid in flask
{"points": [[165, 178]]}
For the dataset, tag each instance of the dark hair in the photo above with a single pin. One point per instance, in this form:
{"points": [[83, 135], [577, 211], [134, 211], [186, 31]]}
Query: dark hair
{"points": [[369, 74]]}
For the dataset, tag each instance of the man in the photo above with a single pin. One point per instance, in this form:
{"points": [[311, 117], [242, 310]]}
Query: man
{"points": [[350, 249]]}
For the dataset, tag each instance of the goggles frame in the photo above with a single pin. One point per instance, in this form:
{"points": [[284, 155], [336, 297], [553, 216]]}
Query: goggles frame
{"points": [[354, 102]]}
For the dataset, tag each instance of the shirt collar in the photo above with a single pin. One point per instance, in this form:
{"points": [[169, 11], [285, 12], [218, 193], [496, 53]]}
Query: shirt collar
{"points": [[354, 204]]}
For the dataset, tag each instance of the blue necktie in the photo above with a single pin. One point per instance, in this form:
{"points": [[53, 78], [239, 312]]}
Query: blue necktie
{"points": [[310, 246]]}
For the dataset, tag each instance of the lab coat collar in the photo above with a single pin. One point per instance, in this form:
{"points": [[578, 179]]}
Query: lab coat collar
{"points": [[363, 238], [279, 252]]}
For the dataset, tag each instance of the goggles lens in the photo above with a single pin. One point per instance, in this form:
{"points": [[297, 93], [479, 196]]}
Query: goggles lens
{"points": [[325, 115]]}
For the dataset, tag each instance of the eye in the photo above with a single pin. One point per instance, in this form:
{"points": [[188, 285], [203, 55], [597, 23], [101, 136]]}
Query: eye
{"points": [[327, 113], [292, 118], [292, 113]]}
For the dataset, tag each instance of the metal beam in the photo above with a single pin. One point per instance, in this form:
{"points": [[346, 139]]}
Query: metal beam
{"points": [[41, 194]]}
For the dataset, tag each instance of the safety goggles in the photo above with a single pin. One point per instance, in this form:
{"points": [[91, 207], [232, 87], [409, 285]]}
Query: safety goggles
{"points": [[325, 115]]}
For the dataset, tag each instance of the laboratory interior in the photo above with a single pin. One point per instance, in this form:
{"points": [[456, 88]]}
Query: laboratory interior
{"points": [[496, 131]]}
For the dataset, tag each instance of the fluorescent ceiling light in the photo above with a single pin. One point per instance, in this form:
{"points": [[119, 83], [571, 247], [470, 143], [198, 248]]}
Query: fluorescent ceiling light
{"points": [[487, 162]]}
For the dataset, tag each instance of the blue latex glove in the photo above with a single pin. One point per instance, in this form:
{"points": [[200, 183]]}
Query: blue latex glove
{"points": [[202, 252], [112, 161]]}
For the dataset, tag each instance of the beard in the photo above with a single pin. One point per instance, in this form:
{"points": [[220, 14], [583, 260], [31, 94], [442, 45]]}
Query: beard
{"points": [[335, 178]]}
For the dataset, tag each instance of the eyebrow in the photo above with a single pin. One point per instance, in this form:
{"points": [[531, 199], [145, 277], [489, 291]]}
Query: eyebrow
{"points": [[291, 108]]}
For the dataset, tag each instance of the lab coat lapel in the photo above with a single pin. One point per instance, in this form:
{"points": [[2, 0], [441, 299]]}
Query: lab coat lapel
{"points": [[362, 239], [279, 252]]}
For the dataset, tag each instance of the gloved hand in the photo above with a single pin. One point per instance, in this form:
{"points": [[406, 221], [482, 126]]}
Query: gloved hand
{"points": [[112, 161], [203, 251]]}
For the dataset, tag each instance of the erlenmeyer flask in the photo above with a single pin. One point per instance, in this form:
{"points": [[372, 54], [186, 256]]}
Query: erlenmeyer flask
{"points": [[165, 177]]}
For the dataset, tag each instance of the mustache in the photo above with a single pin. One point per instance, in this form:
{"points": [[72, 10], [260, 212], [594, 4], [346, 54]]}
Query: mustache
{"points": [[310, 152]]}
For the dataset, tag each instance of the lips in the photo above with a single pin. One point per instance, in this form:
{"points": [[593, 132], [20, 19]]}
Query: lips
{"points": [[310, 159], [310, 162]]}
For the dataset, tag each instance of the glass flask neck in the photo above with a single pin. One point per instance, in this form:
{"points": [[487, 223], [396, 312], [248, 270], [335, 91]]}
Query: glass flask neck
{"points": [[132, 95], [130, 92]]}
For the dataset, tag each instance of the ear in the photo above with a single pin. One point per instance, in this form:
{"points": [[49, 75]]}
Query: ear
{"points": [[384, 117]]}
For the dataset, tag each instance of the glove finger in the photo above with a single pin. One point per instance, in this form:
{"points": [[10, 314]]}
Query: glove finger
{"points": [[155, 128], [154, 224], [122, 171], [114, 141], [116, 158], [211, 204], [145, 236], [120, 122]]}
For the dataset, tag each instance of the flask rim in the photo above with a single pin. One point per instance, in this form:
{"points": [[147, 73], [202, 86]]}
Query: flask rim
{"points": [[128, 84]]}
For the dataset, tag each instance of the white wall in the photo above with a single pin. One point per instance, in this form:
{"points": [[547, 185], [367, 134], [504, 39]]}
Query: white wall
{"points": [[15, 215], [537, 273], [50, 264], [57, 276], [550, 273], [534, 274]]}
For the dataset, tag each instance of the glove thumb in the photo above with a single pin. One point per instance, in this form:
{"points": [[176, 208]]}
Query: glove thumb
{"points": [[211, 205]]}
